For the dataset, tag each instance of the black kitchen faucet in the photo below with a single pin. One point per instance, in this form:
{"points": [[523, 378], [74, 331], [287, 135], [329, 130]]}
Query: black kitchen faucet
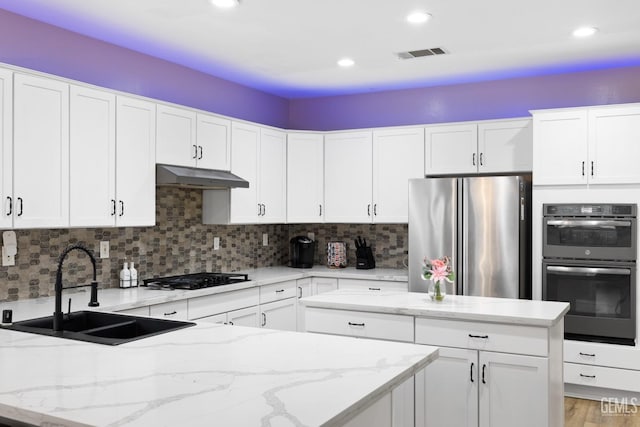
{"points": [[93, 300]]}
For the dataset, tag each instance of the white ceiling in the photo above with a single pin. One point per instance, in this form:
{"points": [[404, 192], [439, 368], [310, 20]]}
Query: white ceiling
{"points": [[290, 47]]}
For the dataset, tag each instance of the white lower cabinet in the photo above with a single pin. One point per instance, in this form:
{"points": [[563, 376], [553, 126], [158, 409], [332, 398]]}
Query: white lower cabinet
{"points": [[242, 317], [320, 285], [279, 315], [174, 310], [373, 285], [138, 311], [311, 286]]}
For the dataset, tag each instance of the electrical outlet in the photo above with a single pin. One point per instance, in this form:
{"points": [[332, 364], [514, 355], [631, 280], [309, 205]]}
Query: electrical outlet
{"points": [[216, 243], [265, 239], [7, 260], [104, 249]]}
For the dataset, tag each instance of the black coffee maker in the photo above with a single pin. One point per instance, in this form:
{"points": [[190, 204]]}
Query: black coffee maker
{"points": [[301, 252]]}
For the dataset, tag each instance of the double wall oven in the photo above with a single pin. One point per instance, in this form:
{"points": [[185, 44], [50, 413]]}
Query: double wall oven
{"points": [[589, 260]]}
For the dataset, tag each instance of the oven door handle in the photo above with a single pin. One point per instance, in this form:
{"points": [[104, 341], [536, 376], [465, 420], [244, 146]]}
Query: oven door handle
{"points": [[588, 223], [589, 270]]}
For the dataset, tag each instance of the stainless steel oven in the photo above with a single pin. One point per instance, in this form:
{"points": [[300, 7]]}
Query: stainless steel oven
{"points": [[589, 260]]}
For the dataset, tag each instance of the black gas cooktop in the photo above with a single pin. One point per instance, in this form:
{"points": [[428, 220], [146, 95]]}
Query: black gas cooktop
{"points": [[195, 281]]}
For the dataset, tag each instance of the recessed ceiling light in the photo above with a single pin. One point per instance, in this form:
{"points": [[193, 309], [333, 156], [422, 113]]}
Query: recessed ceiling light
{"points": [[418, 17], [225, 4], [585, 31], [346, 62]]}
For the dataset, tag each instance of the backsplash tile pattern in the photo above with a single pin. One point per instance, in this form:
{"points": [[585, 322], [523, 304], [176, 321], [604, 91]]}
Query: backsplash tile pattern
{"points": [[179, 243]]}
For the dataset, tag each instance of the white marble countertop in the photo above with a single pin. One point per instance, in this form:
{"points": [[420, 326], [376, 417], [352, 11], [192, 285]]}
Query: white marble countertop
{"points": [[115, 299], [204, 375], [483, 309]]}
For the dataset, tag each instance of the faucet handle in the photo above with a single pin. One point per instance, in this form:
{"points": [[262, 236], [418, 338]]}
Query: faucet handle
{"points": [[93, 300]]}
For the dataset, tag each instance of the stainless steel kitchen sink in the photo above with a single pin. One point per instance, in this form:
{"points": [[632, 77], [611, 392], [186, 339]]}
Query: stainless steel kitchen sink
{"points": [[100, 328]]}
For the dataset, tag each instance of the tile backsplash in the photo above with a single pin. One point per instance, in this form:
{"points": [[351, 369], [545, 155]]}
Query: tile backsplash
{"points": [[178, 244]]}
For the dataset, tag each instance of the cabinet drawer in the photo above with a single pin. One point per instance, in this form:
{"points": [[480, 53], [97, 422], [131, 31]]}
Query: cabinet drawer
{"points": [[609, 355], [223, 302], [600, 376], [175, 310], [278, 291], [373, 285], [517, 339], [393, 327]]}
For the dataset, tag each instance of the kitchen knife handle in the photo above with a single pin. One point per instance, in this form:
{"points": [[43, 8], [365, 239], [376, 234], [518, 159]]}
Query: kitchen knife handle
{"points": [[10, 210]]}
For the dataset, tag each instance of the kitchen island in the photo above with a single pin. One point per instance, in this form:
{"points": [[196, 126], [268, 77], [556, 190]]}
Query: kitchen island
{"points": [[204, 375], [500, 360]]}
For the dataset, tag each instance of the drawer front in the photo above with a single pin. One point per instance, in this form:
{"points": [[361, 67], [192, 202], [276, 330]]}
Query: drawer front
{"points": [[600, 376], [515, 339], [175, 310], [138, 311], [373, 285], [609, 355], [222, 303], [278, 291], [392, 327]]}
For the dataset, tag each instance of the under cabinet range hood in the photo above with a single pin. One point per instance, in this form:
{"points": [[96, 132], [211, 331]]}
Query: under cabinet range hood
{"points": [[207, 179]]}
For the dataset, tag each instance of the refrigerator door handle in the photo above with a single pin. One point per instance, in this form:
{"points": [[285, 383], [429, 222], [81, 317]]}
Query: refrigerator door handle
{"points": [[463, 233], [522, 208]]}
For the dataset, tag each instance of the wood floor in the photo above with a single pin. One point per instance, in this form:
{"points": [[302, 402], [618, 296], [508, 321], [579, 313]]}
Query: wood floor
{"points": [[592, 413]]}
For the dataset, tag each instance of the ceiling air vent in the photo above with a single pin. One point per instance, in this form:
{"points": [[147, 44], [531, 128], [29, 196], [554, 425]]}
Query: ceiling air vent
{"points": [[420, 53]]}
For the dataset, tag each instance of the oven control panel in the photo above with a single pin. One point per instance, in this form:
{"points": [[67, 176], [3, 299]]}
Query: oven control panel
{"points": [[573, 210]]}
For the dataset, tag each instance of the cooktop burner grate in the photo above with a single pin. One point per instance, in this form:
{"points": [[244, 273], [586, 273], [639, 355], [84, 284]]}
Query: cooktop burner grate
{"points": [[195, 280]]}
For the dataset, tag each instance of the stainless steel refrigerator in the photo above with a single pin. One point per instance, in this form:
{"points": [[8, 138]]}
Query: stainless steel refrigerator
{"points": [[483, 223]]}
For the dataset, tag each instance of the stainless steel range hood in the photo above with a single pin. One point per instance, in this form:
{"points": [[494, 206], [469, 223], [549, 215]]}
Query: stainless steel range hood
{"points": [[207, 179]]}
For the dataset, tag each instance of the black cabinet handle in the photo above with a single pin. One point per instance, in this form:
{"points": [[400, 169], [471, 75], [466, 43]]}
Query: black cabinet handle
{"points": [[374, 289], [484, 337], [279, 291], [171, 313], [10, 211], [259, 209], [264, 319], [20, 203], [195, 151], [483, 369], [582, 168], [113, 207], [320, 210], [587, 354], [356, 324], [592, 168], [375, 209], [299, 292], [473, 159], [471, 371], [587, 376], [200, 148], [481, 160], [121, 208], [264, 209], [230, 323]]}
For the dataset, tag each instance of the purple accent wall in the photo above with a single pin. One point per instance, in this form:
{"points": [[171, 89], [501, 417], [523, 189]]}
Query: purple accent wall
{"points": [[38, 46], [470, 101]]}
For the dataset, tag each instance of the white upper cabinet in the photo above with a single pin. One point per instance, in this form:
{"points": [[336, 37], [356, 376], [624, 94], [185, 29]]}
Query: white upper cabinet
{"points": [[92, 158], [258, 155], [272, 178], [451, 149], [495, 146], [213, 137], [348, 158], [40, 152], [6, 148], [614, 145], [398, 155], [135, 160], [592, 145], [505, 146], [176, 137], [305, 177]]}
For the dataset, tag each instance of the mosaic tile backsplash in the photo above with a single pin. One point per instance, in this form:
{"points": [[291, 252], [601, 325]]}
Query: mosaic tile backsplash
{"points": [[178, 244]]}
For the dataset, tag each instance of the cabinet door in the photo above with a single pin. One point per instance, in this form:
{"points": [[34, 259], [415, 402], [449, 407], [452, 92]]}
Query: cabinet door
{"points": [[304, 289], [176, 136], [513, 390], [244, 317], [320, 285], [92, 158], [614, 148], [40, 152], [451, 149], [348, 177], [305, 177], [6, 149], [398, 155], [245, 142], [214, 142], [505, 146], [447, 390], [279, 315], [135, 162], [272, 181], [560, 147]]}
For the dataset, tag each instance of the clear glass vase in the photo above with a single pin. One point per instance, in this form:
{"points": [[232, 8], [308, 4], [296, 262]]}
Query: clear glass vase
{"points": [[437, 290]]}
